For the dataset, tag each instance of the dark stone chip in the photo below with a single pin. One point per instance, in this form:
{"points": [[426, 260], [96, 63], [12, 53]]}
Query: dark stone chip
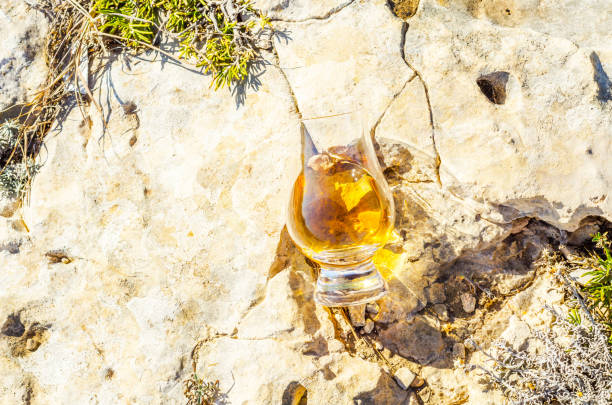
{"points": [[493, 86], [13, 326]]}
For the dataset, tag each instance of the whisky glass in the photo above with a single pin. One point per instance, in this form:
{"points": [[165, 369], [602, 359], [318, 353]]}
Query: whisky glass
{"points": [[341, 209]]}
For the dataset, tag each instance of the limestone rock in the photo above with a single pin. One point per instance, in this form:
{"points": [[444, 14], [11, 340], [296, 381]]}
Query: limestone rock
{"points": [[418, 340], [338, 378], [459, 351], [435, 293], [301, 10], [348, 61], [172, 223], [550, 71], [404, 377], [441, 312], [357, 315], [581, 276], [171, 237], [468, 301], [516, 334], [22, 64]]}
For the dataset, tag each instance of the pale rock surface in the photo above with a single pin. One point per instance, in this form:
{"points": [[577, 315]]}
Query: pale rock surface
{"points": [[441, 312], [516, 334], [345, 62], [300, 10], [581, 276], [170, 238], [468, 302], [22, 63], [544, 152], [175, 254], [404, 377]]}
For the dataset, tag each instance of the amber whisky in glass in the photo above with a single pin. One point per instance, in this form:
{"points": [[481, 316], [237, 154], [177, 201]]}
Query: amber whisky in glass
{"points": [[341, 210]]}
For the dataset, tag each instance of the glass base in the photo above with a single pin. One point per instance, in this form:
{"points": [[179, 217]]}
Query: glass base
{"points": [[346, 286]]}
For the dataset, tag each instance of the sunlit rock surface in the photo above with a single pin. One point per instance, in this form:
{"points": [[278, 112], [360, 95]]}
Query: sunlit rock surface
{"points": [[155, 247]]}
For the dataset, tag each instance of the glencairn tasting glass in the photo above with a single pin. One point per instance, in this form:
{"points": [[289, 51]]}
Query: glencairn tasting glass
{"points": [[341, 209]]}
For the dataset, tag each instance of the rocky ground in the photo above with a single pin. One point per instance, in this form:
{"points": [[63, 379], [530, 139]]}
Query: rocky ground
{"points": [[157, 247]]}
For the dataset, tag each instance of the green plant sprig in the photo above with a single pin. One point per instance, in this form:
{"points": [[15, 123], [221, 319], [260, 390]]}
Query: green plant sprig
{"points": [[221, 36]]}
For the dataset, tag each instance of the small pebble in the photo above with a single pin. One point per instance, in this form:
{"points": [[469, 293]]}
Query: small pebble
{"points": [[335, 345], [469, 344], [357, 315], [404, 377], [372, 308], [412, 399], [379, 346], [435, 293], [418, 382], [459, 351], [32, 345], [369, 326], [468, 301], [441, 311]]}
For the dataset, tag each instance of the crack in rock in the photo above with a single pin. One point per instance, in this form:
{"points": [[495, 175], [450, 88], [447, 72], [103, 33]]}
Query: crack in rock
{"points": [[395, 97], [325, 16], [282, 72], [438, 160]]}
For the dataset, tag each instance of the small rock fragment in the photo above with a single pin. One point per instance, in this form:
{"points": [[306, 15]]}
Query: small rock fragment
{"points": [[32, 345], [470, 344], [435, 293], [418, 382], [493, 86], [357, 315], [404, 9], [412, 399], [58, 256], [294, 393], [404, 377], [517, 333], [418, 340], [369, 326], [378, 346], [390, 310], [468, 301], [372, 308], [459, 351], [580, 276], [335, 345], [441, 311], [13, 326]]}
